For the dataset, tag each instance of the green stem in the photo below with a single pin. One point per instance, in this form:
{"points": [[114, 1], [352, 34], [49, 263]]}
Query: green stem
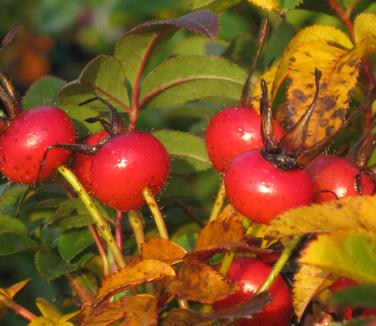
{"points": [[102, 226], [218, 204], [226, 263], [156, 212], [281, 262], [137, 224]]}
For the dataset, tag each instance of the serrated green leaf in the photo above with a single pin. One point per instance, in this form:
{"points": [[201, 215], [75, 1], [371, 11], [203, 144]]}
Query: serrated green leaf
{"points": [[360, 296], [11, 224], [350, 254], [12, 242], [50, 266], [215, 5], [185, 146], [72, 243], [43, 92], [187, 78]]}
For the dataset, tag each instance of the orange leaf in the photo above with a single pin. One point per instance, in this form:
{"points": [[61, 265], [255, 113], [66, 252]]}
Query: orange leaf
{"points": [[131, 310], [163, 250], [199, 282], [139, 272], [185, 317]]}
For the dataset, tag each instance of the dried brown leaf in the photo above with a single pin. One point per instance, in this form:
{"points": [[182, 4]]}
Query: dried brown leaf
{"points": [[199, 282], [185, 317], [163, 250]]}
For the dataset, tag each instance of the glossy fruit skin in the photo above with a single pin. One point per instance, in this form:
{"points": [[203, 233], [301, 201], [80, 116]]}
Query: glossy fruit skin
{"points": [[337, 175], [82, 163], [260, 190], [24, 142], [125, 165], [233, 131], [249, 274]]}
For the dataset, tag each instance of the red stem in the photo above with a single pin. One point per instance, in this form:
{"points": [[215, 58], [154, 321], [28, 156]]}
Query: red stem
{"points": [[101, 250], [136, 88], [343, 16], [83, 294], [119, 229], [19, 310]]}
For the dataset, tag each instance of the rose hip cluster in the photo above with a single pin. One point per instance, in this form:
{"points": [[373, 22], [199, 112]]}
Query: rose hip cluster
{"points": [[266, 172]]}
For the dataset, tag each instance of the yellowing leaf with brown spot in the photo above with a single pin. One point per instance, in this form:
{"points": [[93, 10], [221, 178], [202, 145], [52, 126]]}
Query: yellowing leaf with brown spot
{"points": [[133, 310], [163, 250], [350, 254], [267, 5], [279, 72], [350, 213], [308, 282], [139, 272], [185, 317], [199, 282], [365, 28]]}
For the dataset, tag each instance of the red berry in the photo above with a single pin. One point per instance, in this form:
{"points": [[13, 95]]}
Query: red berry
{"points": [[82, 163], [249, 274], [334, 177], [24, 143], [233, 131], [260, 190], [125, 165]]}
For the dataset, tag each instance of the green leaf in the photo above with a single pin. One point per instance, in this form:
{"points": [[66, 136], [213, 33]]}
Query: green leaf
{"points": [[74, 242], [43, 92], [187, 78], [360, 296], [215, 5], [185, 146], [141, 43], [176, 188], [199, 45], [12, 242], [11, 224], [350, 254], [50, 266], [355, 322], [288, 4], [11, 197]]}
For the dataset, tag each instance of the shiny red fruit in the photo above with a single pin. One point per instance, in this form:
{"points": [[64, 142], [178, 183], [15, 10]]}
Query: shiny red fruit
{"points": [[334, 177], [82, 163], [249, 274], [233, 131], [260, 190], [125, 165], [24, 143]]}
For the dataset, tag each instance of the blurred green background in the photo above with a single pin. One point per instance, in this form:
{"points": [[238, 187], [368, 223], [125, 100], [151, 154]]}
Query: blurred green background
{"points": [[58, 37]]}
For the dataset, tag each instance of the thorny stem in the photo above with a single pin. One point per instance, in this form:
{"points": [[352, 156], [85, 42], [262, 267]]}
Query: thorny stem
{"points": [[119, 229], [101, 250], [136, 88], [280, 263], [83, 294], [19, 310], [102, 226], [156, 212], [161, 226], [137, 224], [218, 203]]}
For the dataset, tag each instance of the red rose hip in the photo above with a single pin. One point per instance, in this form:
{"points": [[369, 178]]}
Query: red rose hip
{"points": [[249, 274], [260, 190], [125, 165], [233, 131], [24, 142]]}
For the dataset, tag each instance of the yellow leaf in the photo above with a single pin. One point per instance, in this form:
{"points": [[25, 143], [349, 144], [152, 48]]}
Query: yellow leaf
{"points": [[278, 73], [48, 310], [365, 28], [350, 213], [43, 321], [350, 254], [11, 291], [308, 282], [268, 5], [163, 250]]}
